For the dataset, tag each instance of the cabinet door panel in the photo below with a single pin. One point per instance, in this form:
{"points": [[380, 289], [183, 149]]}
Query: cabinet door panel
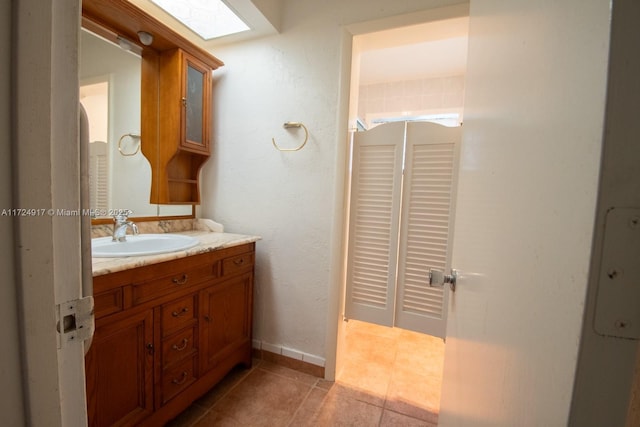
{"points": [[226, 319], [119, 371], [194, 104], [196, 96]]}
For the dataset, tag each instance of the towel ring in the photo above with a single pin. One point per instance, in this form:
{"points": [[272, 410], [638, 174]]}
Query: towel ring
{"points": [[288, 125], [130, 135]]}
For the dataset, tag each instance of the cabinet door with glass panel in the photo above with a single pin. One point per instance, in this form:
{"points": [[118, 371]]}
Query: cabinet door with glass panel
{"points": [[196, 92], [185, 85]]}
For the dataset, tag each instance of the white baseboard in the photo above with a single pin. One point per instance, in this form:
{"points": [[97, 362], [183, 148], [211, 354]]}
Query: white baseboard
{"points": [[289, 352]]}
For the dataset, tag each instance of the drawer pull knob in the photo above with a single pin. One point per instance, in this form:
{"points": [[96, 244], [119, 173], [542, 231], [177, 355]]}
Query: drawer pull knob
{"points": [[181, 380], [207, 318], [182, 347], [180, 281], [150, 348], [182, 312], [238, 261]]}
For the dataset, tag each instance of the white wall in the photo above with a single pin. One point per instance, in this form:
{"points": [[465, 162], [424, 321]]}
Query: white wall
{"points": [[288, 198]]}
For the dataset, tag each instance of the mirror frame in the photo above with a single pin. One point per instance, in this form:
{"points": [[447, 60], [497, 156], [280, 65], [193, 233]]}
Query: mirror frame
{"points": [[119, 18]]}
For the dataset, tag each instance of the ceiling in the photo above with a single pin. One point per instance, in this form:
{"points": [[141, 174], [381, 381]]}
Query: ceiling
{"points": [[429, 50], [262, 20]]}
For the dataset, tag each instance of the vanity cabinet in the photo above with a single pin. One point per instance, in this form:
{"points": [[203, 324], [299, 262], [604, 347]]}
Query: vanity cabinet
{"points": [[166, 333]]}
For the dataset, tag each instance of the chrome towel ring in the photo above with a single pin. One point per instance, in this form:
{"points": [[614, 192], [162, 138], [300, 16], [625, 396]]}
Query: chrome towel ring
{"points": [[289, 125]]}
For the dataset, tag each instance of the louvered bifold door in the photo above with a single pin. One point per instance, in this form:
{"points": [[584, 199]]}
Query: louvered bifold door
{"points": [[426, 226], [373, 223]]}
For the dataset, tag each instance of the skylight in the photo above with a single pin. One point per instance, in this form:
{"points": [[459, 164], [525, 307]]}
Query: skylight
{"points": [[207, 18]]}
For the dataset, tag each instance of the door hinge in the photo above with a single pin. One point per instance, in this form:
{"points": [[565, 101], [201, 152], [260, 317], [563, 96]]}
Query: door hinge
{"points": [[75, 321]]}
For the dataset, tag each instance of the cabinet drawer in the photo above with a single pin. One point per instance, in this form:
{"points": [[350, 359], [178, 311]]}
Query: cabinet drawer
{"points": [[181, 279], [178, 314], [178, 378], [237, 264], [178, 347], [106, 303]]}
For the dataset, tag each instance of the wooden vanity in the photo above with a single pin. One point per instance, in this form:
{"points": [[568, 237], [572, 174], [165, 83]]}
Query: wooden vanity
{"points": [[166, 333], [169, 329]]}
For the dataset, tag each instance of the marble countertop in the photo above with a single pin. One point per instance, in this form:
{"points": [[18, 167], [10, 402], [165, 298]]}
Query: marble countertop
{"points": [[209, 241]]}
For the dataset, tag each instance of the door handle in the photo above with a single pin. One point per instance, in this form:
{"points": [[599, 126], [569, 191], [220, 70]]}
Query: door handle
{"points": [[437, 278]]}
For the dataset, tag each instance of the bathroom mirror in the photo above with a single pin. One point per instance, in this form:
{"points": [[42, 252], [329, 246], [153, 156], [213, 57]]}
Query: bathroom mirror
{"points": [[120, 175]]}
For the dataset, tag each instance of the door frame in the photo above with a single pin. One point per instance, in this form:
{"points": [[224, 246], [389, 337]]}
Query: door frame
{"points": [[46, 178], [607, 379], [336, 331]]}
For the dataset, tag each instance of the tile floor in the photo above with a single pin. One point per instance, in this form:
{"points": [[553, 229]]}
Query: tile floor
{"points": [[391, 377]]}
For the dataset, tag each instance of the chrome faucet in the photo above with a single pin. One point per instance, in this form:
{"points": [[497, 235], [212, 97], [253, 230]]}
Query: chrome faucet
{"points": [[120, 224]]}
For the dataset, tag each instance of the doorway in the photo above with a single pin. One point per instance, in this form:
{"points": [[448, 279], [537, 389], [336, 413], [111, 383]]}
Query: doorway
{"points": [[411, 73]]}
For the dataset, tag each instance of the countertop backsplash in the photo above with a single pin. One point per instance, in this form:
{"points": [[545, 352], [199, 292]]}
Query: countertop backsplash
{"points": [[163, 226]]}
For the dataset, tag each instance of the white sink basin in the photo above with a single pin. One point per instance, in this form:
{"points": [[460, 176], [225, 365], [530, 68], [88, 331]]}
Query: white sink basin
{"points": [[141, 244]]}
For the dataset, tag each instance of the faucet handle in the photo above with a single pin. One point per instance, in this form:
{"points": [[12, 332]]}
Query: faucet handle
{"points": [[122, 215], [121, 223]]}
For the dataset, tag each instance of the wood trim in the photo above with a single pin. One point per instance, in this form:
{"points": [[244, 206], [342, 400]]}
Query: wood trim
{"points": [[633, 413]]}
